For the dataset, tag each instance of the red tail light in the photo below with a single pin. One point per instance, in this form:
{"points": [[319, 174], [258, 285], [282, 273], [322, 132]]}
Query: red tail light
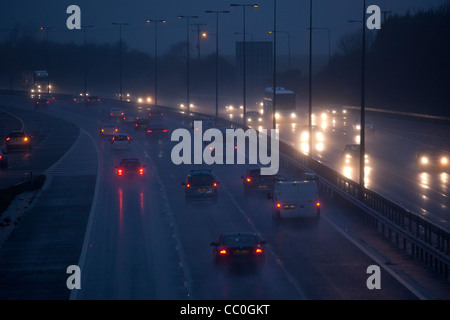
{"points": [[116, 130], [215, 184], [318, 204], [119, 172], [278, 205], [188, 185], [141, 171], [223, 251], [249, 180], [111, 113], [149, 130], [164, 130], [258, 251], [103, 130], [7, 139]]}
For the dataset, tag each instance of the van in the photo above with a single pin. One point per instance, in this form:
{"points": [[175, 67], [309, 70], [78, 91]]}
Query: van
{"points": [[296, 199]]}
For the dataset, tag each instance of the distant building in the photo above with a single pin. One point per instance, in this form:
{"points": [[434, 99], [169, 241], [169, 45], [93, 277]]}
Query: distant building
{"points": [[258, 62]]}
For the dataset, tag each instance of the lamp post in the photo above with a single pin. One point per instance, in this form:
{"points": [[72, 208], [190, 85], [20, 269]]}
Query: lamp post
{"points": [[156, 58], [10, 30], [289, 44], [217, 55], [244, 6], [187, 60], [85, 59], [198, 25], [47, 62], [120, 24], [362, 143], [310, 79]]}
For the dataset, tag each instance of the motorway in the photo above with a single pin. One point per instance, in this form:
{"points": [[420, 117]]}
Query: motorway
{"points": [[142, 239]]}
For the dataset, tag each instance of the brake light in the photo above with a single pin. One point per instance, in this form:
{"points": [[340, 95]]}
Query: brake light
{"points": [[7, 139], [258, 251], [141, 171], [223, 251], [116, 130], [215, 184], [1, 156], [111, 113], [25, 139], [188, 185], [149, 130], [278, 205], [103, 130], [318, 204], [119, 172], [249, 180], [164, 130]]}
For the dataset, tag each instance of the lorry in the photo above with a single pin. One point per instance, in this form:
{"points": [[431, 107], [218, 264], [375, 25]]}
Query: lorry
{"points": [[298, 198]]}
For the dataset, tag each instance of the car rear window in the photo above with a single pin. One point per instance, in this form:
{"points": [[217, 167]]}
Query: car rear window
{"points": [[201, 180], [120, 138], [239, 240], [17, 135]]}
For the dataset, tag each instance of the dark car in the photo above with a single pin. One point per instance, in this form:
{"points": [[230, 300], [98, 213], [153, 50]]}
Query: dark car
{"points": [[201, 183], [92, 99], [156, 129], [351, 155], [240, 247], [432, 159], [3, 160], [254, 181], [141, 123], [41, 102], [18, 140], [130, 167], [155, 115]]}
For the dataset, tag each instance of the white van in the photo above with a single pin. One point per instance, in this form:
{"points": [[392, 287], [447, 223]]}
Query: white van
{"points": [[296, 199]]}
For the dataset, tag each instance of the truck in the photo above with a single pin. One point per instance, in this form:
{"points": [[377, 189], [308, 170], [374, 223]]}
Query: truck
{"points": [[298, 198]]}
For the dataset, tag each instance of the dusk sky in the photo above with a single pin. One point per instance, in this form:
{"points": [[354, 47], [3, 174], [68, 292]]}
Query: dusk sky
{"points": [[292, 17]]}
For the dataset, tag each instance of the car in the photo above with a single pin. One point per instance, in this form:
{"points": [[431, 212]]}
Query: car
{"points": [[156, 129], [141, 123], [108, 130], [318, 140], [130, 167], [238, 247], [351, 155], [254, 181], [369, 126], [18, 140], [92, 99], [3, 160], [201, 183], [432, 159], [155, 115], [116, 113], [130, 117], [121, 141], [253, 117], [41, 102]]}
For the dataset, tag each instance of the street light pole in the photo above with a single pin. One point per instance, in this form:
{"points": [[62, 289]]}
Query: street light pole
{"points": [[244, 55], [198, 25], [217, 56], [120, 24], [274, 92], [289, 45], [48, 73], [156, 58], [187, 60], [310, 80], [85, 60]]}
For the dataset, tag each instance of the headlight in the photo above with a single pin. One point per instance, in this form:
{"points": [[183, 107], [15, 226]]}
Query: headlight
{"points": [[358, 127], [424, 160], [444, 160], [305, 136], [293, 115], [319, 136], [277, 115]]}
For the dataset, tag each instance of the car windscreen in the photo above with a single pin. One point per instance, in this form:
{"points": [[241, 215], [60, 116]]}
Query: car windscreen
{"points": [[239, 240], [201, 180]]}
